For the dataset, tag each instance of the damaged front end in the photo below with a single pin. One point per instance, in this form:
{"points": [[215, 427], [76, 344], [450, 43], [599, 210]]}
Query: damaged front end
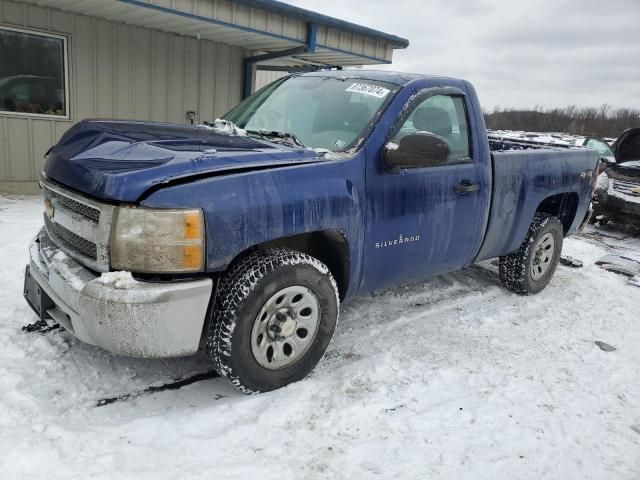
{"points": [[115, 311], [617, 194]]}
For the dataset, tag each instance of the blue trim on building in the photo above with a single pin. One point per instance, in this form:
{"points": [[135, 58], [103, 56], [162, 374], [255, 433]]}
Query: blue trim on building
{"points": [[310, 45], [312, 36], [249, 62], [284, 9], [159, 8], [247, 79], [325, 20], [354, 54]]}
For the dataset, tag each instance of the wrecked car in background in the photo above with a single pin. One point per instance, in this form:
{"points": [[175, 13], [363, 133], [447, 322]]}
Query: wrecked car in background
{"points": [[523, 140], [617, 195]]}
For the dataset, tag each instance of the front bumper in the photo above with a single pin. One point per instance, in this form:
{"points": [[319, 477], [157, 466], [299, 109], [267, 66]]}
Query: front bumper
{"points": [[616, 204], [120, 314]]}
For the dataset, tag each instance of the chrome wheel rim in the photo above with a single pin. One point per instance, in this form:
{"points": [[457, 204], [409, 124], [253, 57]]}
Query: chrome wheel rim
{"points": [[285, 327], [542, 258]]}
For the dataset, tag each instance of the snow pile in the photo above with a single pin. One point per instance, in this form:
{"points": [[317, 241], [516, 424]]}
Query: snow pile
{"points": [[224, 127], [455, 378], [76, 276], [320, 151], [327, 154], [117, 279]]}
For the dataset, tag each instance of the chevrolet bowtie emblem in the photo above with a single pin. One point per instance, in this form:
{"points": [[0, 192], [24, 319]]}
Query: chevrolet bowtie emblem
{"points": [[48, 208], [636, 191]]}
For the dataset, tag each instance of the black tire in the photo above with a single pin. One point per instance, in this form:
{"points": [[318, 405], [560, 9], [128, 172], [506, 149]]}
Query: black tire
{"points": [[242, 292], [516, 268]]}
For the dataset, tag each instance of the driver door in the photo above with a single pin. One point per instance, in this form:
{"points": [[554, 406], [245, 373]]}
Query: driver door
{"points": [[425, 220]]}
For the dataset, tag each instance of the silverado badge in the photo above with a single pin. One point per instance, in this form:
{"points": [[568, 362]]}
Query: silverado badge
{"points": [[398, 241]]}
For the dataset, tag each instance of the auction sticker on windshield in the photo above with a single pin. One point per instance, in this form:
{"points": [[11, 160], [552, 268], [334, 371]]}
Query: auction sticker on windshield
{"points": [[373, 90]]}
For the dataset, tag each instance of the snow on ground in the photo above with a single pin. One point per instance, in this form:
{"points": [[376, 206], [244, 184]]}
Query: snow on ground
{"points": [[450, 379]]}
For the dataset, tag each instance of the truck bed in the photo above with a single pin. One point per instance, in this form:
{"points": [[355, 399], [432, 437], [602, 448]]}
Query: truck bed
{"points": [[525, 176], [498, 144]]}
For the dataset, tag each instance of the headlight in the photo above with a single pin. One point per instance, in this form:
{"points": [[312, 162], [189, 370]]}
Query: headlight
{"points": [[147, 240]]}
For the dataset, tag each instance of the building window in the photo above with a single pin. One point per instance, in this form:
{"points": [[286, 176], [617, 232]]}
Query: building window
{"points": [[33, 73]]}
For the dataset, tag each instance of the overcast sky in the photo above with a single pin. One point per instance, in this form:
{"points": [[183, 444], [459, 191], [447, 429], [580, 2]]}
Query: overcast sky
{"points": [[517, 53]]}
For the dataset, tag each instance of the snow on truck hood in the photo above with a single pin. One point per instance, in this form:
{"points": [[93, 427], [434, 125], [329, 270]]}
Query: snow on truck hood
{"points": [[120, 161]]}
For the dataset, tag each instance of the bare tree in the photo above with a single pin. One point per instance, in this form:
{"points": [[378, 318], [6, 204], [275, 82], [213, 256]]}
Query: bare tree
{"points": [[600, 121]]}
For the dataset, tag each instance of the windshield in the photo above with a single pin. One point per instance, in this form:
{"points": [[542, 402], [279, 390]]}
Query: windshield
{"points": [[599, 146], [322, 112]]}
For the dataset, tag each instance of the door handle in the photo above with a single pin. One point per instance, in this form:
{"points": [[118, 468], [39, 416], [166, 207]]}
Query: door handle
{"points": [[465, 186]]}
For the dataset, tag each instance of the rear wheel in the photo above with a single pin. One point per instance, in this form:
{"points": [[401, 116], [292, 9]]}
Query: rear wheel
{"points": [[530, 268], [274, 316]]}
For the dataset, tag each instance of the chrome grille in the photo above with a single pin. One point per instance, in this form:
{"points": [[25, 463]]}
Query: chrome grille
{"points": [[78, 225], [82, 209], [626, 187], [72, 241], [73, 205]]}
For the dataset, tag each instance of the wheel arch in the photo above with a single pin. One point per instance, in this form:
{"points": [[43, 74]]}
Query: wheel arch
{"points": [[561, 205], [329, 246]]}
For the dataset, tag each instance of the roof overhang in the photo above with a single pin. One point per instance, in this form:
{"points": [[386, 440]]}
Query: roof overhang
{"points": [[259, 26]]}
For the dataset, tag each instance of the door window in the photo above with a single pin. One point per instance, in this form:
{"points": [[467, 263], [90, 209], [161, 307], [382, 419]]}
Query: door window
{"points": [[444, 116]]}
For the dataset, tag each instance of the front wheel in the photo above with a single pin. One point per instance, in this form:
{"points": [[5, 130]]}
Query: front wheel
{"points": [[530, 268], [274, 316]]}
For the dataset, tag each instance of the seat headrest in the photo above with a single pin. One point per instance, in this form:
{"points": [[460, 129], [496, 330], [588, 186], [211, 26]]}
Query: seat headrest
{"points": [[432, 119]]}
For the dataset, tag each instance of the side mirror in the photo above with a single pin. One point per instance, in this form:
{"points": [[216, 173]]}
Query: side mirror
{"points": [[420, 149]]}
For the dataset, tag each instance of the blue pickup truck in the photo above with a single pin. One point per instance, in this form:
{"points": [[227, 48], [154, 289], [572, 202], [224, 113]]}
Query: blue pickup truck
{"points": [[243, 237]]}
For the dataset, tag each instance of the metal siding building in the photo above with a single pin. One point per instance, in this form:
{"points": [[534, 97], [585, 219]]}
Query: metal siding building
{"points": [[264, 78], [157, 60]]}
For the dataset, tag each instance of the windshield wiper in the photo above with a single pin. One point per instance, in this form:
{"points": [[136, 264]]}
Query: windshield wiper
{"points": [[271, 134]]}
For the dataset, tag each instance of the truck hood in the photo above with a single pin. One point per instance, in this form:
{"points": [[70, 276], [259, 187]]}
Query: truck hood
{"points": [[627, 155], [627, 146], [630, 169], [120, 161]]}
